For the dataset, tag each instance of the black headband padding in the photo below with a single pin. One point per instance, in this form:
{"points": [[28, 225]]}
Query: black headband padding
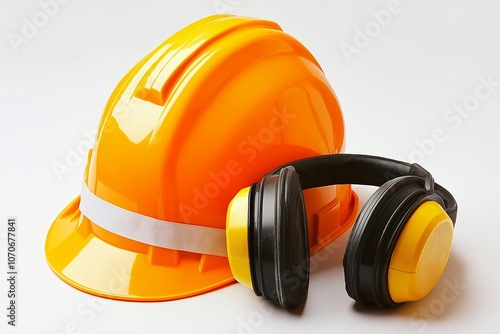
{"points": [[361, 169], [331, 169]]}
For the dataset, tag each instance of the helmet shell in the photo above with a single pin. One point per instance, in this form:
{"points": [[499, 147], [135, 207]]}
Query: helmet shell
{"points": [[210, 111]]}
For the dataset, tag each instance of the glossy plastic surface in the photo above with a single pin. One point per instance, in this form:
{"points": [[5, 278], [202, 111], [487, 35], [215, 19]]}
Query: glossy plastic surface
{"points": [[421, 253], [210, 111], [237, 238]]}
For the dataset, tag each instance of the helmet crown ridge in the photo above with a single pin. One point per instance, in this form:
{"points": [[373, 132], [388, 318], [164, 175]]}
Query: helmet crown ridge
{"points": [[182, 149]]}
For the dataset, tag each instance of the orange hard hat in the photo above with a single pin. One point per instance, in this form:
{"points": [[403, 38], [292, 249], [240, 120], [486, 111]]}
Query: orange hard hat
{"points": [[210, 111]]}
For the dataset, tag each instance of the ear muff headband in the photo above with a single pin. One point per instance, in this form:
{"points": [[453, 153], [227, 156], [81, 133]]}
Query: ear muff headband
{"points": [[361, 169]]}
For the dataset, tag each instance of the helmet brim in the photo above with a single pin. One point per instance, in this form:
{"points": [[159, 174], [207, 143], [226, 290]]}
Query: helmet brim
{"points": [[87, 262]]}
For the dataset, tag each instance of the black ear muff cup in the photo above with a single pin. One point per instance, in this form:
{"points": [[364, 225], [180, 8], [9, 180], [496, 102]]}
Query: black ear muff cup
{"points": [[278, 241], [374, 236]]}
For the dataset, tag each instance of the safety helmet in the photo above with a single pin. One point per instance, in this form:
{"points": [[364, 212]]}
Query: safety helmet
{"points": [[210, 111]]}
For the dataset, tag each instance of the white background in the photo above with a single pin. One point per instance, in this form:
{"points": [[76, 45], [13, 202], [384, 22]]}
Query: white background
{"points": [[395, 92]]}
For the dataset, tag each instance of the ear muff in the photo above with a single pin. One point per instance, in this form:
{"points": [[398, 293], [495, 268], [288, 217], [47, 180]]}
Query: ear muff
{"points": [[404, 218], [274, 258], [398, 247]]}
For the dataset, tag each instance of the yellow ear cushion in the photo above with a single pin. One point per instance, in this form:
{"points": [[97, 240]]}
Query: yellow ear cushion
{"points": [[237, 237], [421, 253]]}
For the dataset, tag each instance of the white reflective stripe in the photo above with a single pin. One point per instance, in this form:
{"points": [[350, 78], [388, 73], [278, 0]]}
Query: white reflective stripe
{"points": [[151, 231]]}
